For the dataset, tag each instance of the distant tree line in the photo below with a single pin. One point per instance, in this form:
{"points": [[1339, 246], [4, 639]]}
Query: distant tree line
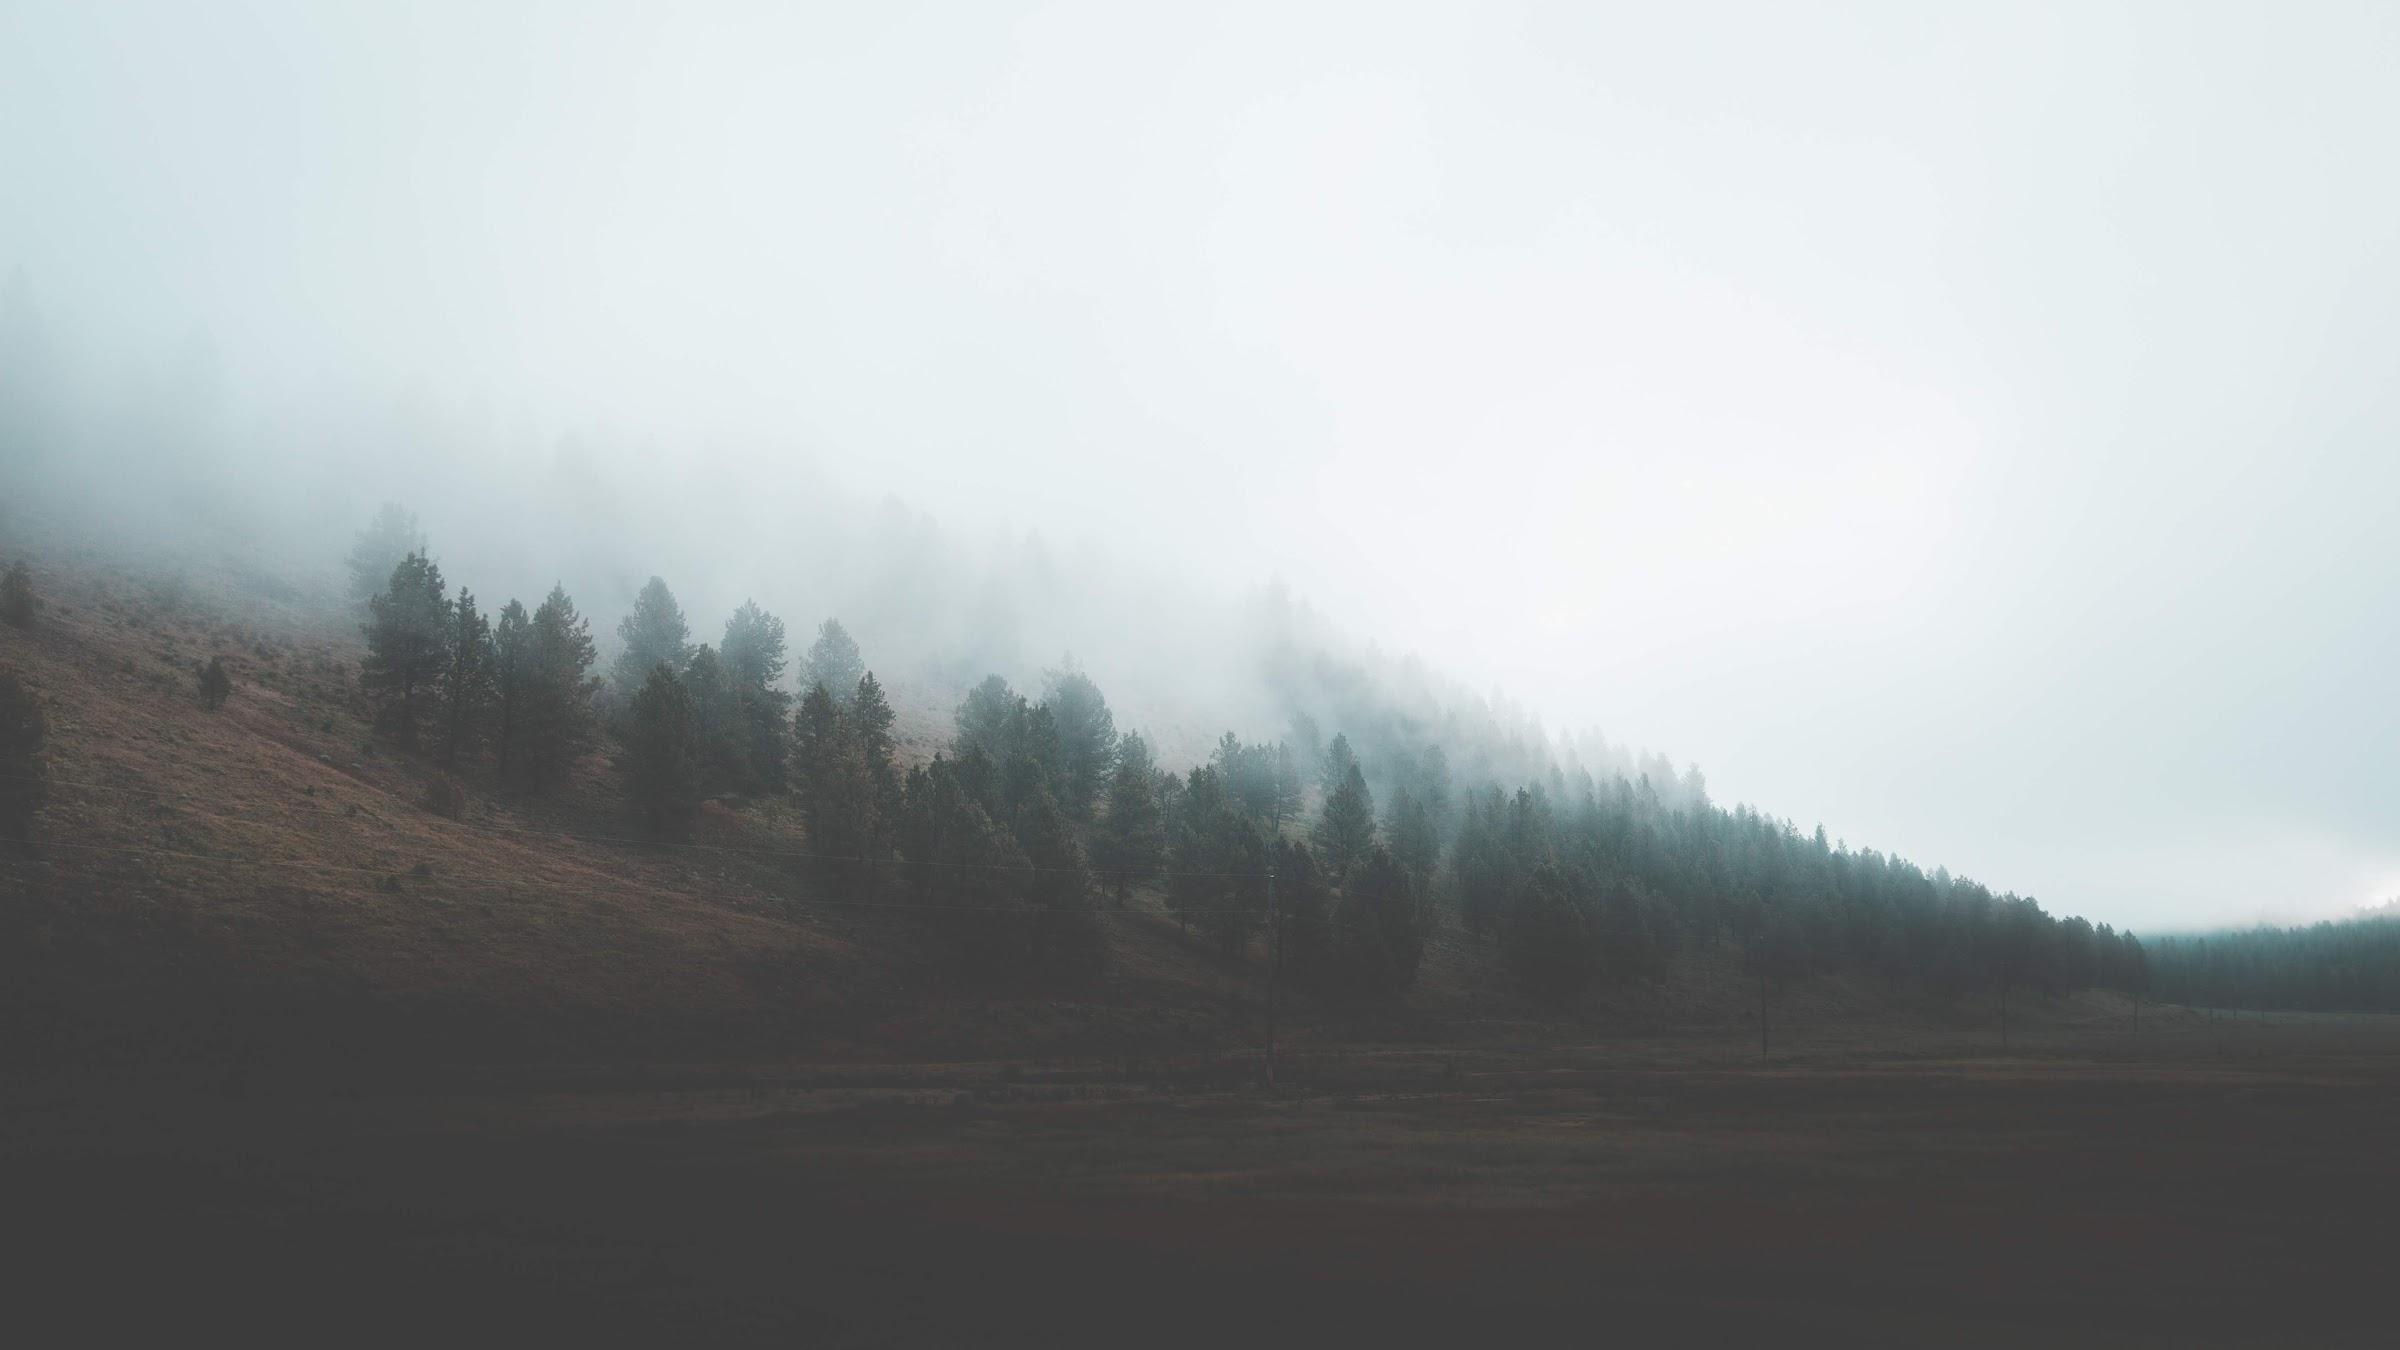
{"points": [[2350, 965], [1618, 879]]}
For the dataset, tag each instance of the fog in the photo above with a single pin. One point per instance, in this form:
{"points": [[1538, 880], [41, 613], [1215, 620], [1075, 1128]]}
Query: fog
{"points": [[1975, 432]]}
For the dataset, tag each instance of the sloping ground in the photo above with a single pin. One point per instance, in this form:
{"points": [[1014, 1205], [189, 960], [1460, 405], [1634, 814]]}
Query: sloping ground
{"points": [[272, 847], [269, 870], [267, 873]]}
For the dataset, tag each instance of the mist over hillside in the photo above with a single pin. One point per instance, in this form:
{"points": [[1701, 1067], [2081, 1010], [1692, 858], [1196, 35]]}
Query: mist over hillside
{"points": [[165, 461]]}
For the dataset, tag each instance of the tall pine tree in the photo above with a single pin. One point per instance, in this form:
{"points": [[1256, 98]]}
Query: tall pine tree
{"points": [[469, 680], [1087, 734], [661, 761], [512, 667], [408, 638], [556, 726], [753, 650], [1346, 830], [1130, 841], [653, 635], [833, 661]]}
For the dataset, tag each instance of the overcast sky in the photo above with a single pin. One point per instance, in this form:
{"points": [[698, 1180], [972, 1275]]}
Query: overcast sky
{"points": [[1974, 427]]}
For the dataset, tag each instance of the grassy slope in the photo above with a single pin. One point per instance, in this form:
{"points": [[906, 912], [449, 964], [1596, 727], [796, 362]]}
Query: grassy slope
{"points": [[267, 869]]}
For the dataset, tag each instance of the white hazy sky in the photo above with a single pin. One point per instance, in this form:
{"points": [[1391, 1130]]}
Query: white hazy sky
{"points": [[1974, 426]]}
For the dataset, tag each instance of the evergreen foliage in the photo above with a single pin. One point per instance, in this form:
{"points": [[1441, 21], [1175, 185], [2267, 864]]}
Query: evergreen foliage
{"points": [[2350, 965], [870, 715], [512, 668], [661, 760], [842, 767], [1549, 943], [1346, 829], [720, 731], [1087, 735], [833, 661], [1219, 859], [469, 680], [1380, 927], [653, 635], [408, 640], [1415, 843], [1340, 762], [556, 725], [1302, 900], [753, 649], [1130, 840]]}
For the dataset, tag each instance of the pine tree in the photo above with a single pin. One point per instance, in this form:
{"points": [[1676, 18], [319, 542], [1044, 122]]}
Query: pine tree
{"points": [[843, 796], [1346, 830], [17, 604], [1130, 841], [990, 719], [661, 760], [1087, 734], [1248, 773], [654, 634], [556, 725], [215, 685], [1219, 862], [753, 650], [1340, 763], [379, 548], [833, 661], [870, 716], [469, 681], [1549, 944], [407, 646], [766, 724], [1415, 845], [816, 744], [1481, 864], [512, 666], [24, 781], [1038, 765], [719, 731], [1237, 906], [1379, 927], [1193, 841], [1309, 955], [1064, 936], [960, 860]]}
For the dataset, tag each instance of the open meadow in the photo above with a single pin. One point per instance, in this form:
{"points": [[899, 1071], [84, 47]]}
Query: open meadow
{"points": [[2211, 1181]]}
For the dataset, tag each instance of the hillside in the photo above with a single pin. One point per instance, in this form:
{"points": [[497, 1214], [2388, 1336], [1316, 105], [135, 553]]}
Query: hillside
{"points": [[268, 876], [270, 869]]}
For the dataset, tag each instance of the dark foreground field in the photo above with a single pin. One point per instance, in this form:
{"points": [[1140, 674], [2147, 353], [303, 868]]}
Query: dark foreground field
{"points": [[2213, 1182]]}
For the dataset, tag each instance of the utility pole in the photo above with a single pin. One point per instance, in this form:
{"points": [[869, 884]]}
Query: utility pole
{"points": [[1274, 970]]}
